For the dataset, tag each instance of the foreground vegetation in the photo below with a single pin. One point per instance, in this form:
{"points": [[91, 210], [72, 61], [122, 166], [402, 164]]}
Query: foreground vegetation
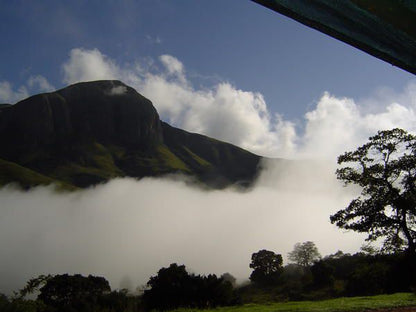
{"points": [[339, 304], [336, 282], [350, 304]]}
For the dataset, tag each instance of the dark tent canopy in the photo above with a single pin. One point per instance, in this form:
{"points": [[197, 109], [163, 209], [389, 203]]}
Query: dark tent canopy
{"points": [[385, 29]]}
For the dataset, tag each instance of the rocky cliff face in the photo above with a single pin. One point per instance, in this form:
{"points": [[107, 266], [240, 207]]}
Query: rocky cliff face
{"points": [[107, 112], [91, 132]]}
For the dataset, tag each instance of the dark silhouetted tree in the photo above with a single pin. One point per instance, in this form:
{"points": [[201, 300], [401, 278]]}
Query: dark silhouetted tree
{"points": [[169, 289], [33, 285], [73, 292], [322, 274], [174, 287], [210, 291], [369, 278], [19, 305], [304, 254], [385, 169], [115, 301], [267, 267]]}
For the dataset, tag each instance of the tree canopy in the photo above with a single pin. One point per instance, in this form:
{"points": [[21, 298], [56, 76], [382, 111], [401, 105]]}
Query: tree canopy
{"points": [[174, 287], [304, 254], [267, 267], [73, 292], [385, 169]]}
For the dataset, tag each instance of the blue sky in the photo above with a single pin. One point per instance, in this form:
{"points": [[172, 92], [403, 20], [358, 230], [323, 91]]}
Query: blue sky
{"points": [[237, 41], [241, 43]]}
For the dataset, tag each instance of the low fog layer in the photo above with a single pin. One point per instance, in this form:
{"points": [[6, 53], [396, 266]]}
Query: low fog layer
{"points": [[126, 230]]}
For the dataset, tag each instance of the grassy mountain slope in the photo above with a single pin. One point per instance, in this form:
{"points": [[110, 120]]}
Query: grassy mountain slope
{"points": [[26, 178]]}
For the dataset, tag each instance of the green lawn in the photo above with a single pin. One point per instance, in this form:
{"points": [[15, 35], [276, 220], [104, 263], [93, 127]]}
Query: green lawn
{"points": [[339, 304]]}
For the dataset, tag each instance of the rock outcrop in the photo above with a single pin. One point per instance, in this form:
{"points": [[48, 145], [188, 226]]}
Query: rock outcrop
{"points": [[108, 112]]}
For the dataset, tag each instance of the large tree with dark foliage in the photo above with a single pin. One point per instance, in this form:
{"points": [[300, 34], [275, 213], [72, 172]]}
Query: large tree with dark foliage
{"points": [[267, 267], [174, 287], [73, 292], [385, 169], [168, 289]]}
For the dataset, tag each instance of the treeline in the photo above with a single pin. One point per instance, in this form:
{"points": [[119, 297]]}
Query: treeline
{"points": [[309, 277], [172, 287], [69, 293], [333, 276]]}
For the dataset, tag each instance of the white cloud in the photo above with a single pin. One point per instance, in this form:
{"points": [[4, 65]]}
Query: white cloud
{"points": [[223, 112], [286, 133], [40, 83], [87, 65], [9, 96], [340, 124], [118, 90], [331, 126], [242, 115], [35, 84], [174, 67]]}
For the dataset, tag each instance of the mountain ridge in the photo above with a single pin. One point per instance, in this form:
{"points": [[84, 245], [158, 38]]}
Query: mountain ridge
{"points": [[90, 132]]}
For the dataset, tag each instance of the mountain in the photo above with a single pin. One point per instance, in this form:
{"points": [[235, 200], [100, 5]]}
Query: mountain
{"points": [[91, 132]]}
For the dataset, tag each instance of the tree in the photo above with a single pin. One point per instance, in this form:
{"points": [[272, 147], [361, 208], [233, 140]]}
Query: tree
{"points": [[73, 292], [115, 301], [304, 254], [385, 169], [323, 274], [267, 267], [32, 286], [169, 289], [174, 287], [18, 304]]}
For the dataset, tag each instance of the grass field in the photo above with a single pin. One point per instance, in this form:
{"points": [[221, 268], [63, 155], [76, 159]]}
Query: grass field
{"points": [[339, 304]]}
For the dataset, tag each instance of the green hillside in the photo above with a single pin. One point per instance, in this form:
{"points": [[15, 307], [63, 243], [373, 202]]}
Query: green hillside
{"points": [[26, 178]]}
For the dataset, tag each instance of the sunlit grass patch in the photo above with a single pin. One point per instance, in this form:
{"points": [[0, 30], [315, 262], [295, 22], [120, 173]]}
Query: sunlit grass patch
{"points": [[339, 304]]}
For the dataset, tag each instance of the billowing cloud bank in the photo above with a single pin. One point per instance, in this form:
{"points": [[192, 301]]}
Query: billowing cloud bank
{"points": [[127, 230]]}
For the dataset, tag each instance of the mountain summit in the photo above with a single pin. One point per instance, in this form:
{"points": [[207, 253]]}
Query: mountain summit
{"points": [[90, 132]]}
